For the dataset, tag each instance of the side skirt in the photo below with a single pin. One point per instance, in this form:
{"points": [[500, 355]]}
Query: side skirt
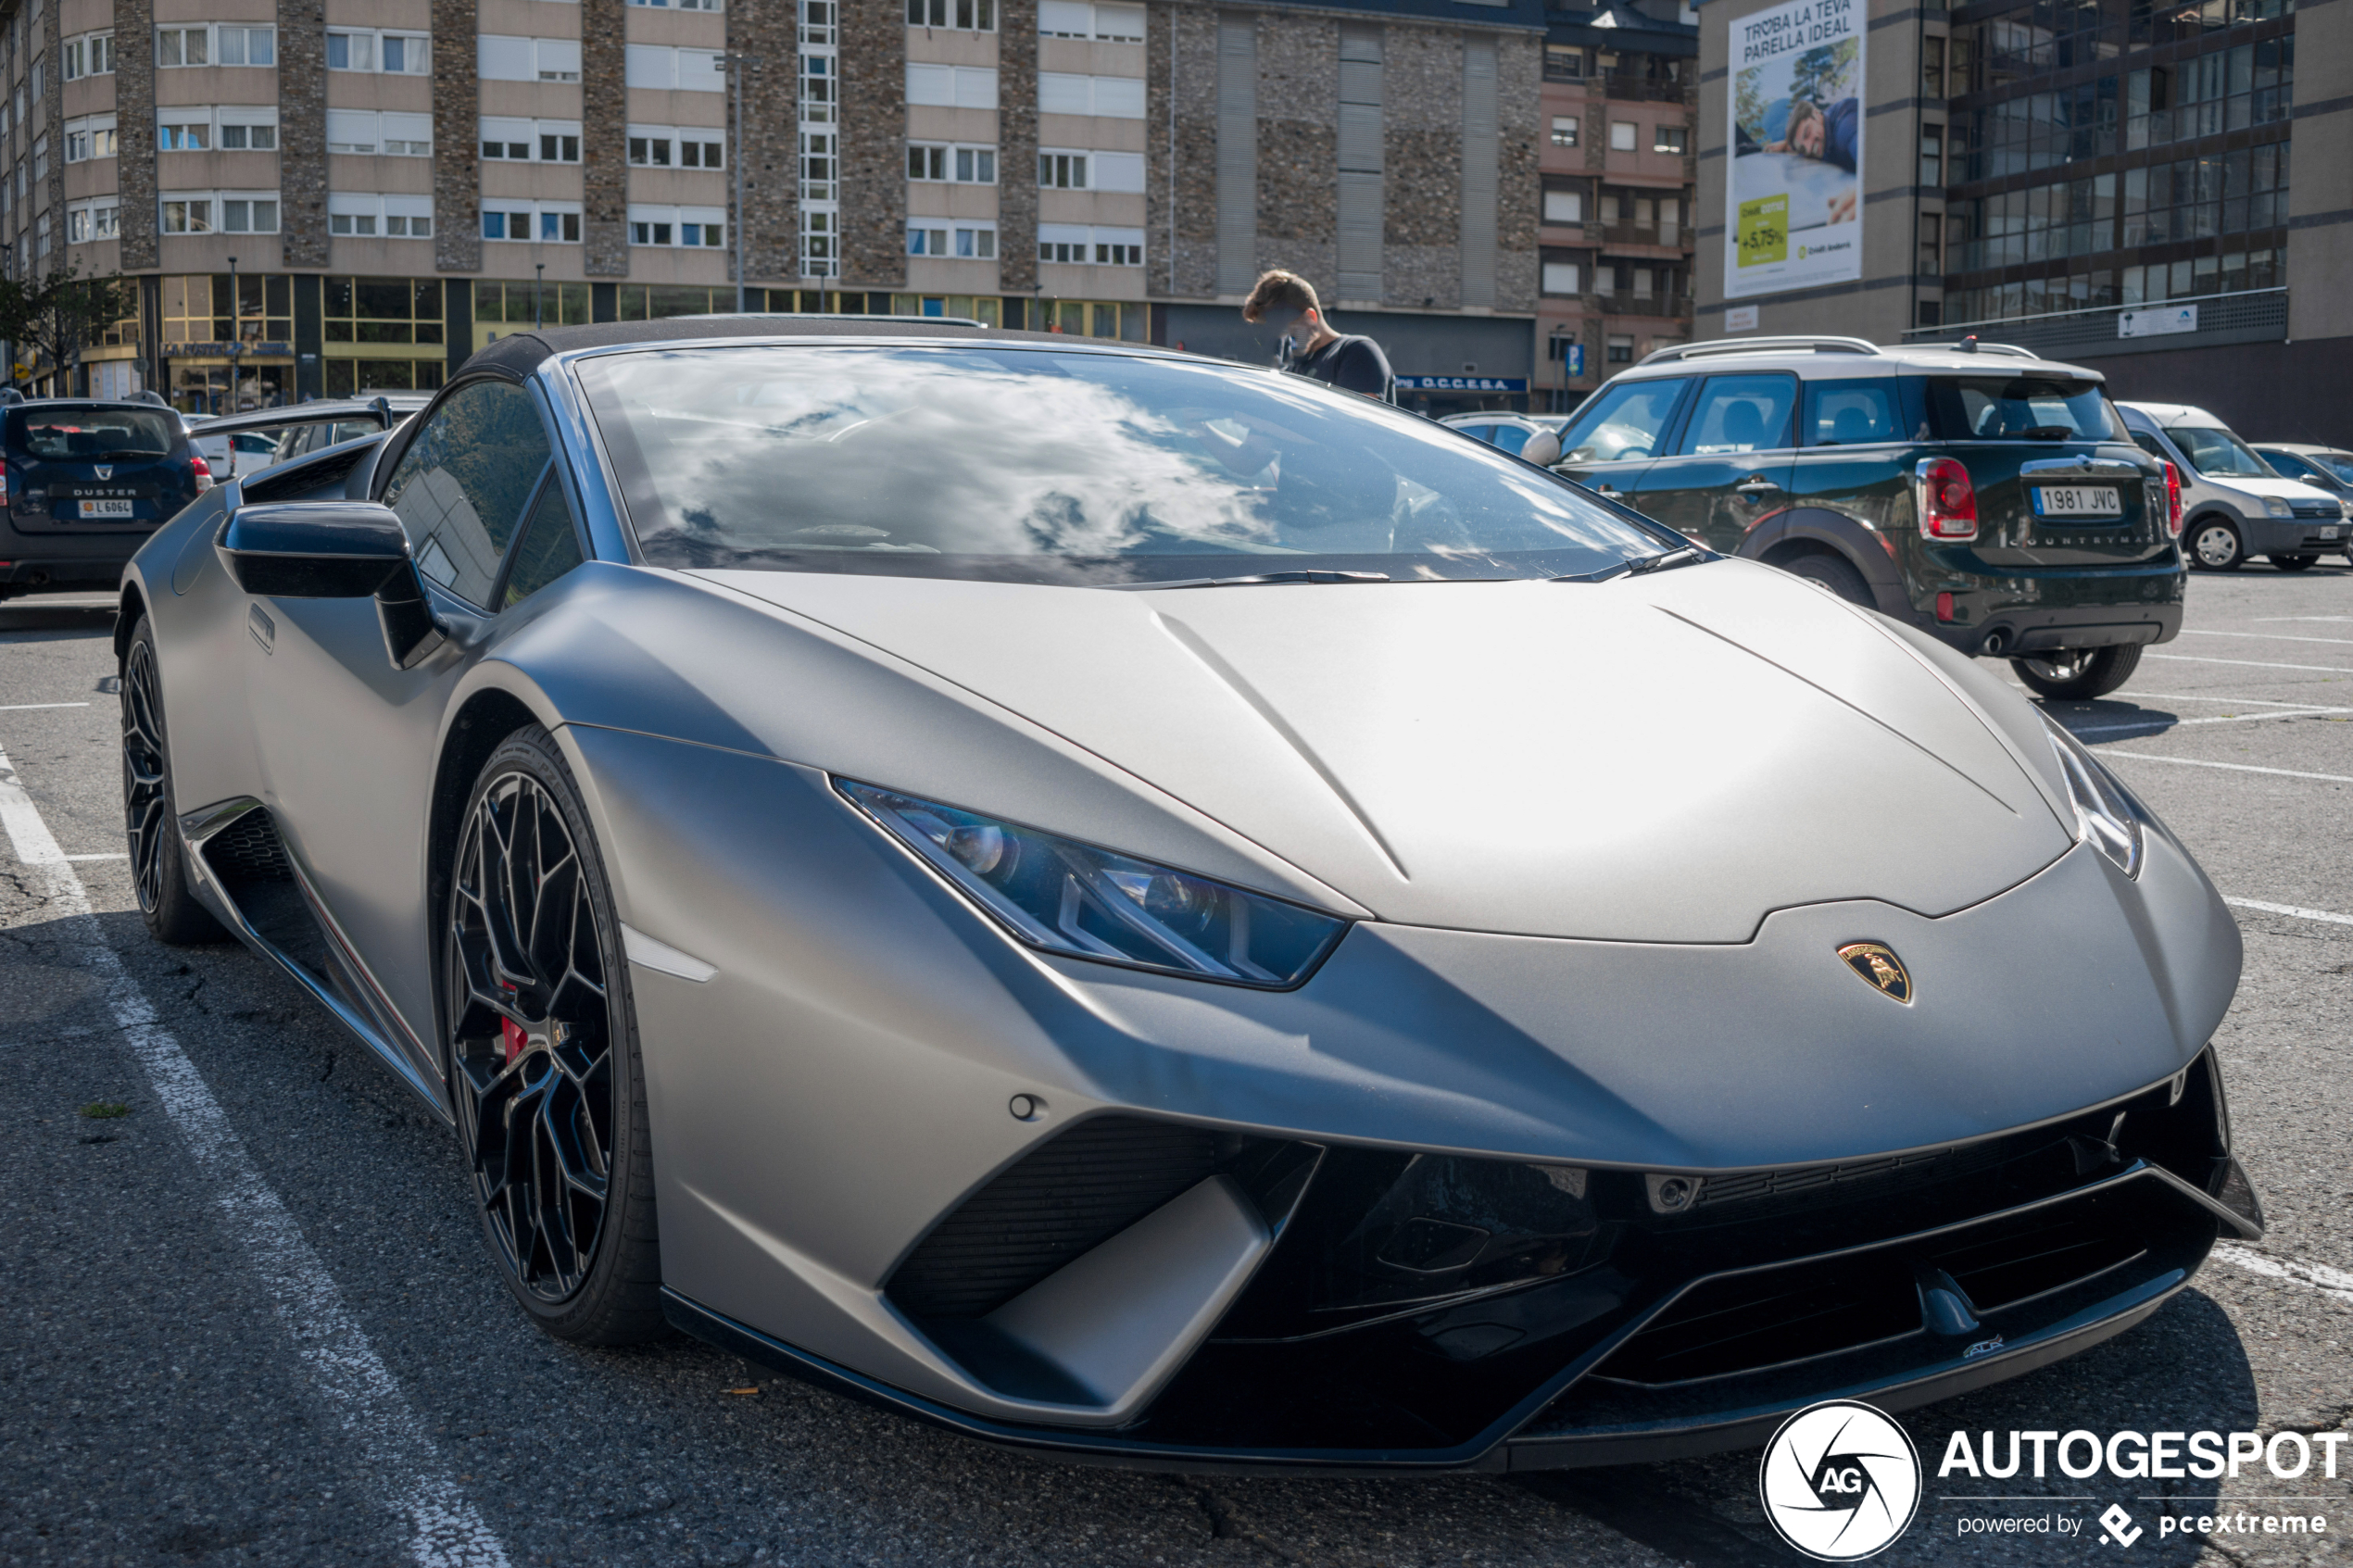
{"points": [[268, 903]]}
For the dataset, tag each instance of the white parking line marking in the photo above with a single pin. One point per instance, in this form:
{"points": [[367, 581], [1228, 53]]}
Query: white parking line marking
{"points": [[2264, 636], [2314, 1276], [28, 707], [2233, 767], [2253, 663], [2287, 910], [2248, 702], [444, 1528], [2143, 726], [2333, 620], [117, 855]]}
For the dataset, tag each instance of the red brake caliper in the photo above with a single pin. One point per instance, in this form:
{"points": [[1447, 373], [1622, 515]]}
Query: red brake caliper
{"points": [[511, 1032]]}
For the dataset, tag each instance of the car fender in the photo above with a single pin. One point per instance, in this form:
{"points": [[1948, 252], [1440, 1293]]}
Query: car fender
{"points": [[1785, 534]]}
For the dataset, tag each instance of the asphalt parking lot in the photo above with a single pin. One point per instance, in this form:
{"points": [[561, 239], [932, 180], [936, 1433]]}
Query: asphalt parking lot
{"points": [[250, 1320]]}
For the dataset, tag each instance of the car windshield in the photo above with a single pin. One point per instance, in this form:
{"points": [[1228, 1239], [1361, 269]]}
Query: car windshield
{"points": [[2218, 454], [2021, 408], [92, 435], [1045, 464], [1621, 422]]}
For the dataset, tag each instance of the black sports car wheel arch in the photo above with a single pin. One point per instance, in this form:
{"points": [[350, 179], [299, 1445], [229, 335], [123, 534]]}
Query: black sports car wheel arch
{"points": [[158, 853], [541, 1045]]}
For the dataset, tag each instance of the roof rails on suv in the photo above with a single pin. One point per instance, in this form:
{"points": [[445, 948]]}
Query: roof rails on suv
{"points": [[1761, 345]]}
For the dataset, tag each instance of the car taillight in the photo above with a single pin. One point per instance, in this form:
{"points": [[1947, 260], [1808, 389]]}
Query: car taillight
{"points": [[4, 481], [203, 475], [2172, 499], [1948, 501]]}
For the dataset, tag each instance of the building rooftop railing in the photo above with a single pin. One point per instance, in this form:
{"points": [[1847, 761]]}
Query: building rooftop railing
{"points": [[2245, 316]]}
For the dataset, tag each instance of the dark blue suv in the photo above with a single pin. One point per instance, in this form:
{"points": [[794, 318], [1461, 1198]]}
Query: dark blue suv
{"points": [[86, 482]]}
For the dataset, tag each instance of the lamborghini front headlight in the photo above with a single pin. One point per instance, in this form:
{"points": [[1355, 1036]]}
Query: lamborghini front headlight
{"points": [[1087, 902], [2106, 814]]}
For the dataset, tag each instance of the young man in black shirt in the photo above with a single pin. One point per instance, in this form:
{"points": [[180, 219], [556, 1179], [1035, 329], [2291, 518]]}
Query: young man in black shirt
{"points": [[1287, 301]]}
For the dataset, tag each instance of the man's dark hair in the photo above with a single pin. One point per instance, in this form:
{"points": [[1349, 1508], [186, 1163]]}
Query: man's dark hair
{"points": [[1279, 290]]}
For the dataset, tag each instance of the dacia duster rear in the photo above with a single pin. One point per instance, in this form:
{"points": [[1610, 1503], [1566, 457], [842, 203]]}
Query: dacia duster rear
{"points": [[1987, 497]]}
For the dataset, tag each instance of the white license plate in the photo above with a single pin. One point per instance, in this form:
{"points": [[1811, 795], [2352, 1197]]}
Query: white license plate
{"points": [[2078, 500], [2328, 533], [105, 509]]}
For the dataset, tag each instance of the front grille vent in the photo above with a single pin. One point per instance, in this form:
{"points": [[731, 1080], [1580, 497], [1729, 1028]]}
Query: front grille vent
{"points": [[1853, 1181], [1060, 1200], [2316, 508]]}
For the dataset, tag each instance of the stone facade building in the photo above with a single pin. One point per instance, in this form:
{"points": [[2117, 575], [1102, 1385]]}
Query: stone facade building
{"points": [[326, 196]]}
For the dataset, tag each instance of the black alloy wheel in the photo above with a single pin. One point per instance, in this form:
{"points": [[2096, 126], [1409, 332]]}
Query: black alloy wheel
{"points": [[158, 853], [2078, 674], [2295, 562], [2214, 546], [544, 1066]]}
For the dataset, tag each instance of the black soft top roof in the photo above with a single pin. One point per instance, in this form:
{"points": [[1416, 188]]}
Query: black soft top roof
{"points": [[522, 352]]}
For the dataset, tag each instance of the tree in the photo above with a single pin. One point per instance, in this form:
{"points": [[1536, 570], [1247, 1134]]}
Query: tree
{"points": [[61, 314]]}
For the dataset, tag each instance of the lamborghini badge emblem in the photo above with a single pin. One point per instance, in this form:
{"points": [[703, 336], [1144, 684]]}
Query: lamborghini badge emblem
{"points": [[1879, 966]]}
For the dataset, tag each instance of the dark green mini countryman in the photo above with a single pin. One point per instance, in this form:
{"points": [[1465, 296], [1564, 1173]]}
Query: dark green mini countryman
{"points": [[1989, 497]]}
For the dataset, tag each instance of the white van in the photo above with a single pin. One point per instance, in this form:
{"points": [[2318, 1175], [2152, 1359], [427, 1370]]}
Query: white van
{"points": [[2233, 506]]}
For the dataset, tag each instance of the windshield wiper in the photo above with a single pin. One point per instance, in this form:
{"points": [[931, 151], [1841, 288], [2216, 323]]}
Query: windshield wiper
{"points": [[1256, 580], [1665, 560]]}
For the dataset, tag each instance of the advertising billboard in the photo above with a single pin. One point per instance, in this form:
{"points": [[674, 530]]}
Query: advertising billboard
{"points": [[1793, 200]]}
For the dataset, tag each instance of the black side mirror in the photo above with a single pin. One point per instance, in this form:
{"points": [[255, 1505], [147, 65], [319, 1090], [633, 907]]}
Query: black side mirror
{"points": [[334, 550]]}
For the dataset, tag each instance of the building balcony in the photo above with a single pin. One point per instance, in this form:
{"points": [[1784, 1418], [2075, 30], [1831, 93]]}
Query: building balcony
{"points": [[1632, 89], [1651, 306], [1673, 236]]}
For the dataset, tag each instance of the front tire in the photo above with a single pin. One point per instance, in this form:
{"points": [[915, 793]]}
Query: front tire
{"points": [[2215, 546], [541, 1049], [150, 812], [1834, 573], [2078, 674], [2294, 563]]}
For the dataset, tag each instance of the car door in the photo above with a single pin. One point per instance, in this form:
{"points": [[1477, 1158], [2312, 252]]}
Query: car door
{"points": [[347, 741], [1611, 442], [1730, 465]]}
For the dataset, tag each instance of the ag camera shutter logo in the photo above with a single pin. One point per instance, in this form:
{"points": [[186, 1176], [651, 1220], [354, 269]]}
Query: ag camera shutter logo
{"points": [[1840, 1481]]}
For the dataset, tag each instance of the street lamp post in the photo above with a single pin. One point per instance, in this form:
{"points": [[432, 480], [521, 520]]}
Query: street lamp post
{"points": [[538, 280], [236, 333]]}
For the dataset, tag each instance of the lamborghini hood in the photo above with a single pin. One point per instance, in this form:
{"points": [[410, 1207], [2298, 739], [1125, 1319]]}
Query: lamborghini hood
{"points": [[1666, 758]]}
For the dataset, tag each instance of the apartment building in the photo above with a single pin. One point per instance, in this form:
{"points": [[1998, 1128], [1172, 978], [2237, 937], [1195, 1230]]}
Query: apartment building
{"points": [[319, 201], [1618, 169], [324, 200], [2101, 181]]}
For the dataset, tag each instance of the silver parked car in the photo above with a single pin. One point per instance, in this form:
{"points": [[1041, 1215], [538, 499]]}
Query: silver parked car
{"points": [[1508, 431], [1203, 922], [2234, 504], [2323, 468]]}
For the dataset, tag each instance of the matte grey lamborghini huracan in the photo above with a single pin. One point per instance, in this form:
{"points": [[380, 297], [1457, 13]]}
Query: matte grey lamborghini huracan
{"points": [[1148, 909]]}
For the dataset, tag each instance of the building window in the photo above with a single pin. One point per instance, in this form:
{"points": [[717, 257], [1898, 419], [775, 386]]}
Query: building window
{"points": [[968, 16], [954, 87], [388, 134], [1564, 63], [533, 141], [671, 146], [555, 305], [1932, 251], [1116, 97], [689, 227], [1932, 157], [1076, 245], [1061, 171], [1931, 67], [90, 55], [678, 4], [177, 135], [1669, 139], [251, 130], [383, 310], [90, 137], [214, 45], [360, 215], [1074, 19], [538, 223], [1556, 347], [233, 212], [963, 166], [650, 65], [396, 54], [1620, 350], [1563, 130], [88, 221], [41, 158], [1622, 136], [1563, 277], [963, 242], [1564, 207]]}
